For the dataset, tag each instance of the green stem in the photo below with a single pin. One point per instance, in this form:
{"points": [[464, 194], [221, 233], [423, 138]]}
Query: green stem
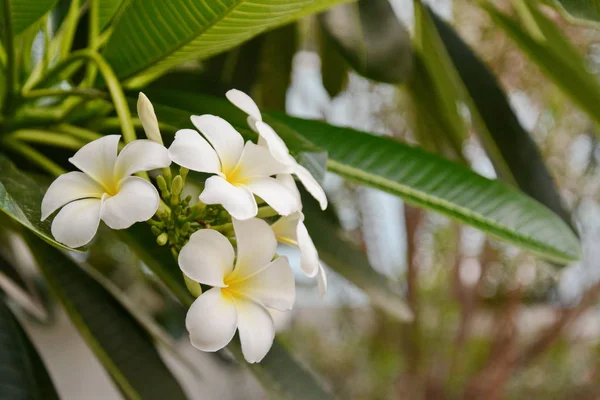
{"points": [[110, 123], [79, 132], [79, 92], [46, 138], [266, 212], [94, 31], [10, 58], [34, 156]]}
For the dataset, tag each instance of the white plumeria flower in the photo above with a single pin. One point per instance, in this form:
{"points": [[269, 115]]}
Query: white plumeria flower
{"points": [[242, 170], [270, 139], [290, 230], [240, 296], [145, 111], [105, 190]]}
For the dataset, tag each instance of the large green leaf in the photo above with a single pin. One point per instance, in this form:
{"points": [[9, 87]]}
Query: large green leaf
{"points": [[107, 10], [21, 199], [370, 36], [555, 56], [153, 36], [352, 264], [116, 338], [515, 155], [278, 372], [419, 177], [585, 9], [25, 13], [22, 372]]}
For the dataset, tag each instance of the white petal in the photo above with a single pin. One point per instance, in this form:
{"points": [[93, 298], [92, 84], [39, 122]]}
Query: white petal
{"points": [[207, 257], [244, 102], [146, 113], [322, 281], [279, 197], [136, 201], [309, 258], [256, 246], [288, 181], [69, 187], [286, 228], [140, 155], [227, 142], [272, 287], [237, 200], [257, 162], [211, 320], [97, 159], [275, 144], [311, 185], [76, 224], [192, 151], [256, 328]]}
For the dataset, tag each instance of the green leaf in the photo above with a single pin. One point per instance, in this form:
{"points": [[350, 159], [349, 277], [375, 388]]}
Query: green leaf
{"points": [[434, 183], [352, 264], [279, 373], [153, 36], [23, 374], [27, 12], [21, 199], [372, 38], [555, 56], [108, 9], [421, 178], [334, 68], [514, 153], [585, 9], [119, 342]]}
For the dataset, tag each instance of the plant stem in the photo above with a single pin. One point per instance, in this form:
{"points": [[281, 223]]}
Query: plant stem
{"points": [[47, 138], [265, 212], [94, 30], [79, 132], [10, 58], [87, 93], [34, 156]]}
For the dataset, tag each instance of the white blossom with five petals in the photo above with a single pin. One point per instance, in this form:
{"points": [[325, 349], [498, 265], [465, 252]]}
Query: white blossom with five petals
{"points": [[105, 190], [242, 170], [270, 139], [290, 230], [240, 296]]}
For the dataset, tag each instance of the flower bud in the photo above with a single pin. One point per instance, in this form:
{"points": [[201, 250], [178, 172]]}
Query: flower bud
{"points": [[162, 239], [176, 189], [148, 117], [162, 186]]}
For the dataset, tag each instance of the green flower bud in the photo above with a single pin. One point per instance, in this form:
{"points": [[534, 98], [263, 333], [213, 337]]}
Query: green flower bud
{"points": [[156, 230], [162, 186], [176, 189], [162, 239]]}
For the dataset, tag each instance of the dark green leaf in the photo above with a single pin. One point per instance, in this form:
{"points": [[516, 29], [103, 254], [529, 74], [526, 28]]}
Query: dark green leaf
{"points": [[585, 9], [108, 9], [372, 39], [27, 12], [555, 56], [116, 338], [153, 36], [512, 150], [21, 199], [421, 178], [334, 68], [22, 372]]}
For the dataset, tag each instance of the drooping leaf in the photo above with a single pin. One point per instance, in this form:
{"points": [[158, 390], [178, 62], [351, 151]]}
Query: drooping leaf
{"points": [[352, 264], [153, 36], [25, 13], [555, 55], [22, 372], [511, 148], [119, 342], [279, 373], [334, 68], [423, 179], [371, 37], [21, 199]]}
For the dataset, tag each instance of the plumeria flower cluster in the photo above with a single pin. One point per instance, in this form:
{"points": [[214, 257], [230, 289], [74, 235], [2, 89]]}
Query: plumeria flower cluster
{"points": [[225, 243]]}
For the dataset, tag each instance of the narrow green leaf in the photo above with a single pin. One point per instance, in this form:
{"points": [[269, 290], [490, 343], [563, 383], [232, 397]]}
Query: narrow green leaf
{"points": [[371, 37], [122, 346], [279, 373], [22, 372], [334, 68], [515, 155], [21, 199], [352, 264], [420, 178], [153, 36], [584, 9], [555, 56]]}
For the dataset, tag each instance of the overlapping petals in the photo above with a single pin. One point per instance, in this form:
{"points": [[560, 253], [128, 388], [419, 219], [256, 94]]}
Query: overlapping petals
{"points": [[241, 170], [270, 139], [242, 293], [104, 190]]}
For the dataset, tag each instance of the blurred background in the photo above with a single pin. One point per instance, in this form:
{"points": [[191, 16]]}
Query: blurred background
{"points": [[490, 321]]}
